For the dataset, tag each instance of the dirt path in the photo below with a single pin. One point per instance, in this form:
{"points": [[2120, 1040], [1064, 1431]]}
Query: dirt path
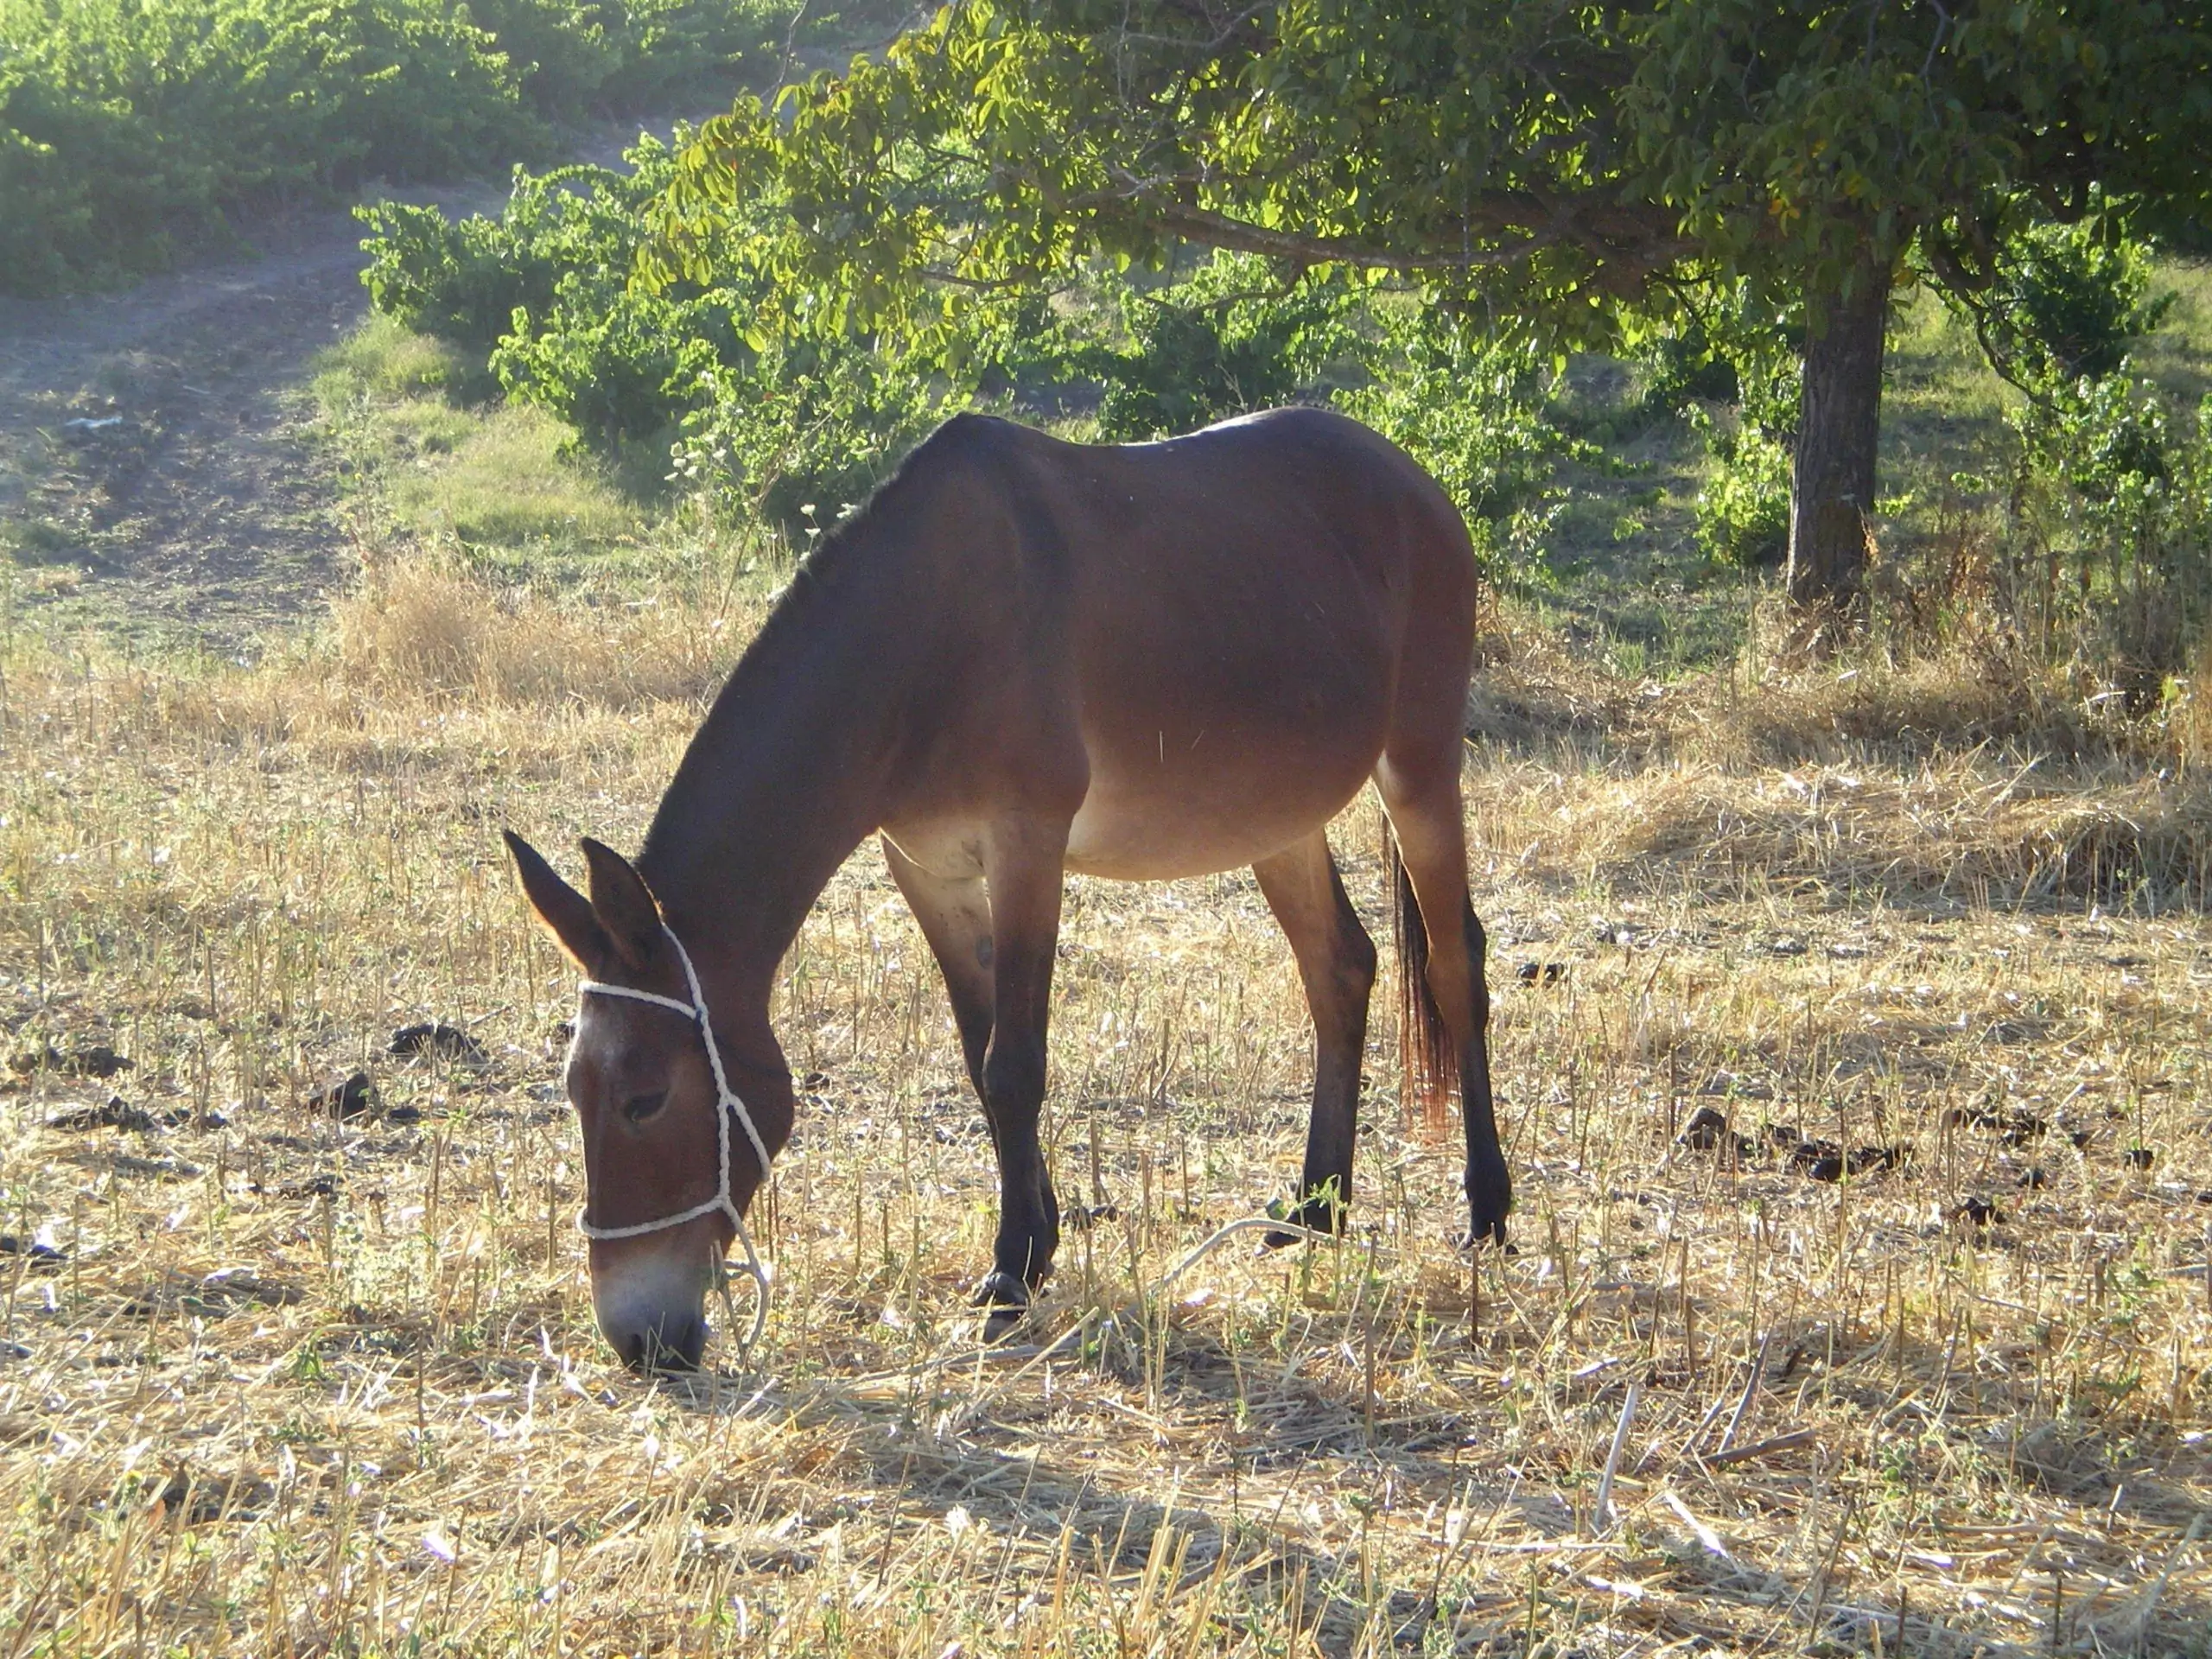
{"points": [[156, 474]]}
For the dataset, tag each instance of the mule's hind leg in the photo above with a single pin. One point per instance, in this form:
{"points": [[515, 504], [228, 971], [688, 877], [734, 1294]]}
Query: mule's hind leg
{"points": [[1422, 795], [1335, 961]]}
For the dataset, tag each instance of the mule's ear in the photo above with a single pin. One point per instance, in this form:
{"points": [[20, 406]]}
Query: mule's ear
{"points": [[566, 913], [624, 905]]}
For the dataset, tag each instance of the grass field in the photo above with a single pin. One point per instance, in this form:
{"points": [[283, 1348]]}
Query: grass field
{"points": [[280, 1381]]}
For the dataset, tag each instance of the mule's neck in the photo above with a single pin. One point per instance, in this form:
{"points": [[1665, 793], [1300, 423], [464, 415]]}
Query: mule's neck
{"points": [[791, 768]]}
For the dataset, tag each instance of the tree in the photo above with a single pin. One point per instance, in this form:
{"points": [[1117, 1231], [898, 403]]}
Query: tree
{"points": [[1561, 168]]}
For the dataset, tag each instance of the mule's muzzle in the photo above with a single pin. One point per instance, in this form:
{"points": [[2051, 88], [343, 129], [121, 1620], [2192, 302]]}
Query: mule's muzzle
{"points": [[651, 1305], [673, 1343]]}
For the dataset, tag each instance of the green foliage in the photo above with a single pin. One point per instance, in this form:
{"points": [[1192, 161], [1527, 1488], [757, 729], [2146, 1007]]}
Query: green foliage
{"points": [[2067, 301], [129, 128], [781, 428], [800, 434], [561, 52], [614, 363], [1470, 410], [672, 48], [125, 127], [2108, 441], [1743, 512], [1565, 165], [1730, 348], [1553, 157], [2116, 525], [1230, 340], [2107, 548], [1685, 366], [1797, 137], [464, 280]]}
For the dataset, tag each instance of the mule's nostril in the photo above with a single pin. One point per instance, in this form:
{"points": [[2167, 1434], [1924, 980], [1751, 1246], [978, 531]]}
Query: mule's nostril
{"points": [[675, 1344], [681, 1343]]}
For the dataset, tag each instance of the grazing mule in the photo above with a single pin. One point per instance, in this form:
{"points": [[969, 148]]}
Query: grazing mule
{"points": [[1022, 658]]}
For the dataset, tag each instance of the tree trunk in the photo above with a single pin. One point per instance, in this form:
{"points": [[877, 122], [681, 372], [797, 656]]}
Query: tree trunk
{"points": [[1839, 430]]}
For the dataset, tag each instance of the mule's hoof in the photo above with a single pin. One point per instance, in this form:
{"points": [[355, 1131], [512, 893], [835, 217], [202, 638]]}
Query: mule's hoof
{"points": [[1006, 1299], [1315, 1216], [1490, 1200], [1495, 1234]]}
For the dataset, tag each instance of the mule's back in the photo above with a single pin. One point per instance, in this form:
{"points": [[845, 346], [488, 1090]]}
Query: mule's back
{"points": [[1240, 616]]}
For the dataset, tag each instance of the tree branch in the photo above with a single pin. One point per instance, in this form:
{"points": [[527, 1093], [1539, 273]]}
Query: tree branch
{"points": [[1629, 243]]}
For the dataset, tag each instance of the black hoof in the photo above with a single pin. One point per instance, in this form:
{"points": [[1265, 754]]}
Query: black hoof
{"points": [[1493, 1233], [1490, 1200], [1315, 1215], [1006, 1299]]}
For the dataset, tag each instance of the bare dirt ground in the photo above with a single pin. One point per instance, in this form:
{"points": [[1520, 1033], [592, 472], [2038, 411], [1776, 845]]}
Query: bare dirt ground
{"points": [[156, 472], [151, 439]]}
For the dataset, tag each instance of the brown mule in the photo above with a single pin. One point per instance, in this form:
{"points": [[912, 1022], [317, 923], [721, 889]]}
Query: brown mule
{"points": [[1022, 658]]}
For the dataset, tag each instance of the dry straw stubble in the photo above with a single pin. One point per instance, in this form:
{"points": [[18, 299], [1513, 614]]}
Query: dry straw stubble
{"points": [[293, 1382]]}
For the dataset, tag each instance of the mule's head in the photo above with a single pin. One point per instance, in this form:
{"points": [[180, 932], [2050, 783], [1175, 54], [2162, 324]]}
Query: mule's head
{"points": [[639, 1076]]}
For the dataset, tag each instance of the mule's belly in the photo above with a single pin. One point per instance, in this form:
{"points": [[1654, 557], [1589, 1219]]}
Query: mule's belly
{"points": [[1166, 820], [1128, 838], [1177, 810]]}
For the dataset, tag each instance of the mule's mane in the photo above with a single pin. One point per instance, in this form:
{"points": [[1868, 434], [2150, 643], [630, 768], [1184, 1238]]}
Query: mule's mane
{"points": [[840, 547], [812, 615]]}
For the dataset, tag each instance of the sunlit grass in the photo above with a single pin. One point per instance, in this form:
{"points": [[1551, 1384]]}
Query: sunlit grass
{"points": [[333, 1386], [502, 483]]}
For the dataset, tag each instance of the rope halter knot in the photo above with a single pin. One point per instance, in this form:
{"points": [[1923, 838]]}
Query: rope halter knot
{"points": [[727, 1105]]}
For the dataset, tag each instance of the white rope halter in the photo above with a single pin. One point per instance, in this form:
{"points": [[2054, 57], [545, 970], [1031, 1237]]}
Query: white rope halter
{"points": [[727, 1106]]}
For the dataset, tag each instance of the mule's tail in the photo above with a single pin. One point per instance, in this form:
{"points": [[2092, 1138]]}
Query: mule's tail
{"points": [[1431, 1066]]}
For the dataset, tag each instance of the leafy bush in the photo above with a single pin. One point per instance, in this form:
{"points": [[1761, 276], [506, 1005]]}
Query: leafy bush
{"points": [[127, 128], [614, 363], [1470, 409], [805, 431], [124, 127], [1228, 340], [2114, 544], [1681, 367], [541, 293], [672, 48], [1733, 350], [1740, 353], [2066, 304], [464, 280], [788, 431], [1743, 512], [561, 52]]}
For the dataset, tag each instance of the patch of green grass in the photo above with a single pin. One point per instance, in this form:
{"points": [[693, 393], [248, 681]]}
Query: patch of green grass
{"points": [[381, 360], [421, 436], [509, 482], [2177, 358], [1943, 410], [1621, 570], [39, 541]]}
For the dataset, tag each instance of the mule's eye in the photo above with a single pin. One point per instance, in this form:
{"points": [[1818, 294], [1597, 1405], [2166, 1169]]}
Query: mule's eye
{"points": [[639, 1108]]}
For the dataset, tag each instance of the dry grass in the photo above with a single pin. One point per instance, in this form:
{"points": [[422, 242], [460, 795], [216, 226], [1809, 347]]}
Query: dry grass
{"points": [[293, 1385], [433, 628]]}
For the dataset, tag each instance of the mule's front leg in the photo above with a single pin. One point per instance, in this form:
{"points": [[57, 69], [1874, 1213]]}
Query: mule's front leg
{"points": [[1024, 862]]}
